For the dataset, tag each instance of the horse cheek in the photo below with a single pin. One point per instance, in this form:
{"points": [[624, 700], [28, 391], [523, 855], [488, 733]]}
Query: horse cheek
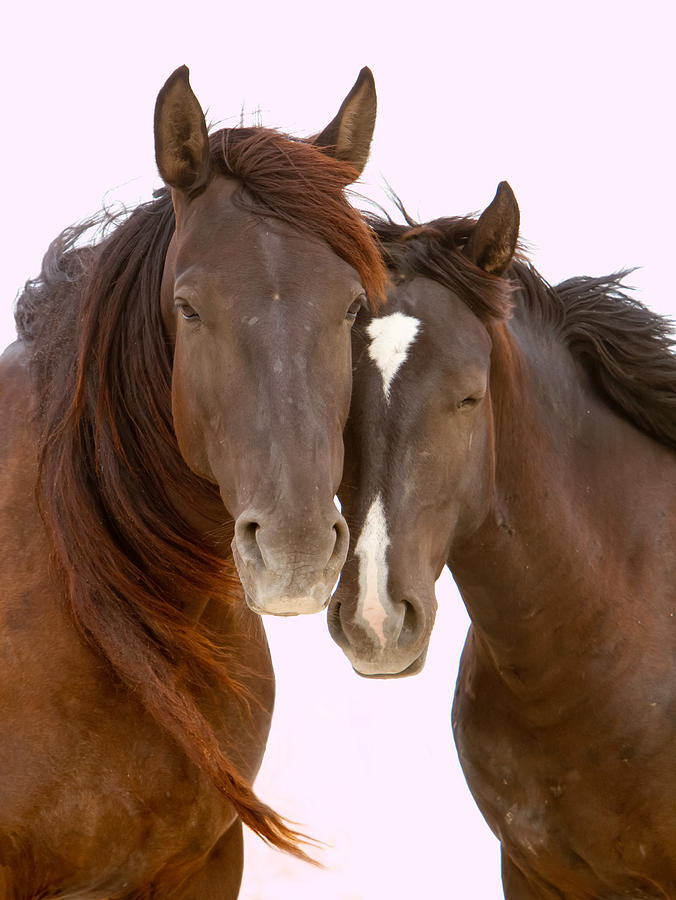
{"points": [[186, 400]]}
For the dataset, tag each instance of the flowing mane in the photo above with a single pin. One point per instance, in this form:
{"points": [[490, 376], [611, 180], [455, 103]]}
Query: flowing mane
{"points": [[294, 181], [627, 349], [111, 479]]}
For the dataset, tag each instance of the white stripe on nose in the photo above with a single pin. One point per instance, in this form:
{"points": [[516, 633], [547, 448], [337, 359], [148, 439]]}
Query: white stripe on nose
{"points": [[371, 550], [391, 336]]}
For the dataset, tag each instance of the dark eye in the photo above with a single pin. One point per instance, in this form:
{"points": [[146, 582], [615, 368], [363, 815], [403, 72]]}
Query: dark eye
{"points": [[186, 310], [354, 308], [469, 402]]}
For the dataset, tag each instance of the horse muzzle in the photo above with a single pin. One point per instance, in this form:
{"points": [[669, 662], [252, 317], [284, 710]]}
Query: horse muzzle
{"points": [[287, 570], [390, 645]]}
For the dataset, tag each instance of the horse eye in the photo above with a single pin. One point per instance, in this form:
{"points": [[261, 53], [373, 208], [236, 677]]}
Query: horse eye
{"points": [[468, 402], [354, 308], [186, 310]]}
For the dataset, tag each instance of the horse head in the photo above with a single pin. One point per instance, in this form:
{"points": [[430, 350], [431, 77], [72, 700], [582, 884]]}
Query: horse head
{"points": [[419, 463], [263, 277]]}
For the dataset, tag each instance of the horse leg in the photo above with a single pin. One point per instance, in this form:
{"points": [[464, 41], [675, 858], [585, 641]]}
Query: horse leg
{"points": [[221, 875], [219, 878], [516, 886]]}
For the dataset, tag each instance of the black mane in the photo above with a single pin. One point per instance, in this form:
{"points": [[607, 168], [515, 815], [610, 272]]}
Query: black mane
{"points": [[627, 349], [434, 250]]}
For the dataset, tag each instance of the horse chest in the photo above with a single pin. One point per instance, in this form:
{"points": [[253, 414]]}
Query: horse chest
{"points": [[515, 801], [574, 805], [94, 796]]}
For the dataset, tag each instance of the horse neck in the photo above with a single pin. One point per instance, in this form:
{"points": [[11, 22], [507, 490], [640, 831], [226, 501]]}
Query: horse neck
{"points": [[552, 565]]}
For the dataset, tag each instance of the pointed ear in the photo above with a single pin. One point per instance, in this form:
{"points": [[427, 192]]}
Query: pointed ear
{"points": [[181, 138], [493, 242], [348, 136]]}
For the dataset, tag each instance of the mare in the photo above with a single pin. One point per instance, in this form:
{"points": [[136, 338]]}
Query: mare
{"points": [[183, 378], [524, 436]]}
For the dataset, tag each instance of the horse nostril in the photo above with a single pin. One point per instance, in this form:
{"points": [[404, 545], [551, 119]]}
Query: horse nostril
{"points": [[336, 626], [409, 627], [342, 539], [246, 538]]}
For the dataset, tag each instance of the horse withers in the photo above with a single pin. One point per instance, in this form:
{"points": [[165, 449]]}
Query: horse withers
{"points": [[177, 386], [524, 436]]}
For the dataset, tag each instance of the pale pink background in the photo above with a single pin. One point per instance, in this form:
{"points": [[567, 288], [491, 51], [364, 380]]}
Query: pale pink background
{"points": [[572, 103]]}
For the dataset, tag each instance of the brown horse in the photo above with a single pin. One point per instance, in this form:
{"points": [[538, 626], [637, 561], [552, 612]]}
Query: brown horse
{"points": [[524, 435], [183, 379]]}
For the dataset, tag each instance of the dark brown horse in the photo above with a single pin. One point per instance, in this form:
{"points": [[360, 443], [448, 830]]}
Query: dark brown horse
{"points": [[183, 379], [524, 435]]}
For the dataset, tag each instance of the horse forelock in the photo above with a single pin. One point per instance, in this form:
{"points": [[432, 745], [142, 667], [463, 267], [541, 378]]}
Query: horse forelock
{"points": [[300, 184], [435, 250]]}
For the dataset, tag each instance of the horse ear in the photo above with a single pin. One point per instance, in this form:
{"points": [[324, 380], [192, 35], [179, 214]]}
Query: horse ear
{"points": [[348, 136], [181, 137], [493, 242]]}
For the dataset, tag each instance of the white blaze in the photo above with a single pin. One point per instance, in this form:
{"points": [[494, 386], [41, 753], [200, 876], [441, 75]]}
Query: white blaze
{"points": [[370, 550], [391, 336]]}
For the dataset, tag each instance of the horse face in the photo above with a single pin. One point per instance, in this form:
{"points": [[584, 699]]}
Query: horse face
{"points": [[418, 470], [261, 317], [260, 314]]}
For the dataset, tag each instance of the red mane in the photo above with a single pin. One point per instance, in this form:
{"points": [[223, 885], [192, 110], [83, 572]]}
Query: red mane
{"points": [[297, 182]]}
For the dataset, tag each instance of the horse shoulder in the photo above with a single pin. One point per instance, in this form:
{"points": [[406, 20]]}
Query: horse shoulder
{"points": [[69, 731], [36, 638], [21, 534]]}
